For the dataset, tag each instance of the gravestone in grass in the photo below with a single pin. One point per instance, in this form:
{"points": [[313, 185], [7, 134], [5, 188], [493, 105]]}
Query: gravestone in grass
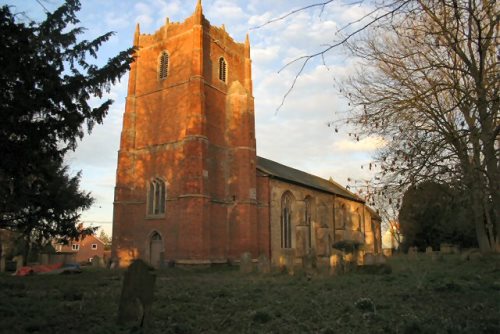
{"points": [[19, 259], [264, 265], [335, 264], [97, 262], [287, 260], [309, 262], [369, 259], [246, 265], [2, 264], [137, 295], [429, 250]]}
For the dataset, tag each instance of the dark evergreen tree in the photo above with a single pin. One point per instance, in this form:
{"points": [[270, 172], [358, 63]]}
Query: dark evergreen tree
{"points": [[434, 213], [46, 82]]}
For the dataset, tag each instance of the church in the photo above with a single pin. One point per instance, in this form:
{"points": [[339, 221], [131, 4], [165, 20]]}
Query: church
{"points": [[190, 188]]}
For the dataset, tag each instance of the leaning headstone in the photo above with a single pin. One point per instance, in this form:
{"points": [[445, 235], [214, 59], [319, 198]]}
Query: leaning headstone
{"points": [[246, 265], [360, 257], [287, 261], [369, 259], [335, 264], [264, 265], [412, 252], [97, 262], [380, 259], [137, 295], [309, 262], [429, 250], [471, 254], [445, 248], [19, 261]]}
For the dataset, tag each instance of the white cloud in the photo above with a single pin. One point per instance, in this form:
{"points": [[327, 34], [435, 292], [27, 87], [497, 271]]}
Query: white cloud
{"points": [[369, 144]]}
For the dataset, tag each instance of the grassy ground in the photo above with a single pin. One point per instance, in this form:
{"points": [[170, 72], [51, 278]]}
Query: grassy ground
{"points": [[419, 296]]}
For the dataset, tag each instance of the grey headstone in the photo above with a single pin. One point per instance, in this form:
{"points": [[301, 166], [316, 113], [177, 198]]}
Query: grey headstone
{"points": [[287, 261], [137, 295], [264, 265], [309, 262], [19, 259], [246, 265], [380, 259], [412, 252], [445, 248], [97, 262], [429, 250], [369, 259], [335, 264]]}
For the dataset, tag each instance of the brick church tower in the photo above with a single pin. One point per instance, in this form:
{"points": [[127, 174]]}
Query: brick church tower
{"points": [[186, 177]]}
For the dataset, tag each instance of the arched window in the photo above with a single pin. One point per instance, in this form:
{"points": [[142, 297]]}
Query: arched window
{"points": [[157, 194], [163, 66], [342, 216], [222, 69], [307, 219], [286, 220]]}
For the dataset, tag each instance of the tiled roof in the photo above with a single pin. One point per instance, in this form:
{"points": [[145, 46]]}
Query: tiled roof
{"points": [[296, 176]]}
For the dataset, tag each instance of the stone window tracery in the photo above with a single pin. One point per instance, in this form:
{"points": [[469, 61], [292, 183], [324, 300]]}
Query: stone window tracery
{"points": [[307, 219], [163, 65], [222, 69], [156, 197], [286, 220]]}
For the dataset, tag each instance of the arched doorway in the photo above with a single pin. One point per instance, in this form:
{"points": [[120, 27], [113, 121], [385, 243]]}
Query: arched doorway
{"points": [[155, 249]]}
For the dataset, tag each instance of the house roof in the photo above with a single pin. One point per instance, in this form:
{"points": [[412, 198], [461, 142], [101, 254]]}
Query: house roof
{"points": [[296, 176]]}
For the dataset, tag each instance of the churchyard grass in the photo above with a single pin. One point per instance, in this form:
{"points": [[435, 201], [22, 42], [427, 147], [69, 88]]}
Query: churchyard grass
{"points": [[447, 295]]}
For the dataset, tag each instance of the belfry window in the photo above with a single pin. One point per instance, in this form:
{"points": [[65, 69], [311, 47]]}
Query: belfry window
{"points": [[157, 194], [222, 69], [163, 66], [286, 220]]}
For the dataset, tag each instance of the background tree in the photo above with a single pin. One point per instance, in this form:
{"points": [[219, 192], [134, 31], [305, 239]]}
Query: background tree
{"points": [[432, 94], [45, 86], [428, 85], [106, 239], [433, 213]]}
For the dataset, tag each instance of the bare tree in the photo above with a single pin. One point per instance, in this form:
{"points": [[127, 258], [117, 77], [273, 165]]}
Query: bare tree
{"points": [[432, 93], [429, 86]]}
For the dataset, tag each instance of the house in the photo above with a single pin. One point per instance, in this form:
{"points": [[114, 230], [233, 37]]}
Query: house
{"points": [[84, 249], [190, 187]]}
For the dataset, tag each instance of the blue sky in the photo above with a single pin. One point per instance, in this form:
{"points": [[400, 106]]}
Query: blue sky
{"points": [[297, 135]]}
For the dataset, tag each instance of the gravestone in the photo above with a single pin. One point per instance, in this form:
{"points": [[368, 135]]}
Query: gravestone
{"points": [[380, 259], [309, 262], [97, 262], [335, 264], [429, 250], [445, 248], [246, 265], [369, 259], [137, 295], [412, 252], [360, 257], [264, 265], [287, 261], [19, 261], [2, 264]]}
